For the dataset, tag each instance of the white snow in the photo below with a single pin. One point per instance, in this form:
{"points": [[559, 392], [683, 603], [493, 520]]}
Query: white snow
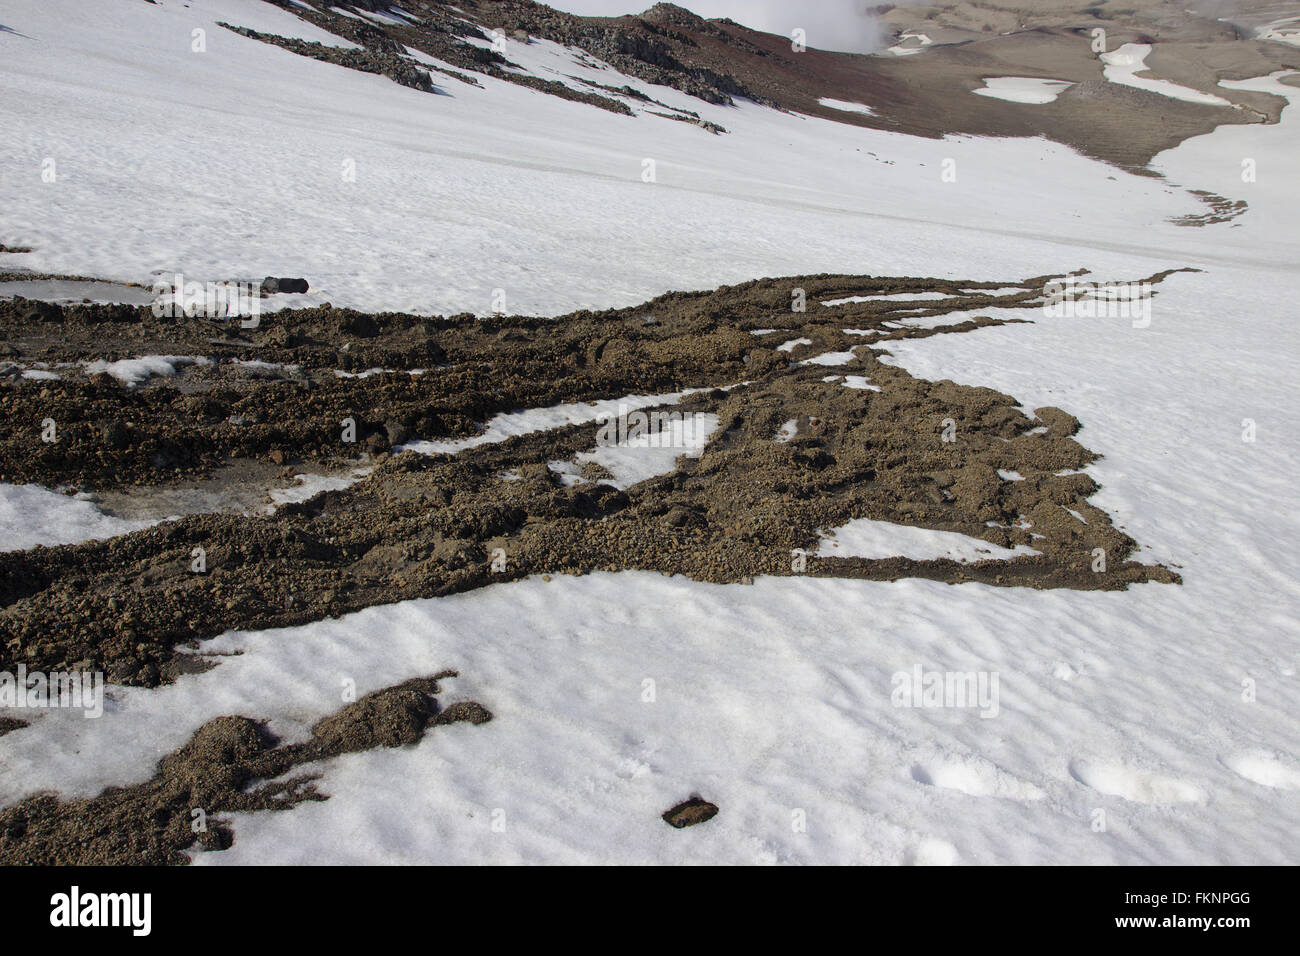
{"points": [[831, 358], [1264, 768], [132, 372], [370, 372], [268, 369], [510, 424], [1123, 65], [578, 766], [1023, 89], [860, 382], [891, 297], [347, 13], [641, 457], [267, 19], [1283, 31], [462, 172], [909, 44], [865, 538], [847, 106], [310, 485], [1265, 84], [31, 515], [1032, 313], [393, 16]]}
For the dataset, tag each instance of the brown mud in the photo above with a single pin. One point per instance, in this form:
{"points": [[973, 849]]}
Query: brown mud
{"points": [[916, 452], [230, 765]]}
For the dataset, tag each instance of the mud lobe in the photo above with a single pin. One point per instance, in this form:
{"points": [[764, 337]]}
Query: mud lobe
{"points": [[912, 452], [230, 765]]}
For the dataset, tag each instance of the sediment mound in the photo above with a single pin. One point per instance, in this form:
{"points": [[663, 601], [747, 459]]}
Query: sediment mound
{"points": [[858, 438]]}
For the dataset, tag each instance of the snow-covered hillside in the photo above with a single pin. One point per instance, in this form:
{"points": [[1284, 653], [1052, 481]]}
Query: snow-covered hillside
{"points": [[1171, 714], [238, 162]]}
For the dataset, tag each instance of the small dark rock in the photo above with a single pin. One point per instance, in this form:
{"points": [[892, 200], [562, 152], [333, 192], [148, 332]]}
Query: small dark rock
{"points": [[116, 436], [271, 285], [689, 813], [398, 434]]}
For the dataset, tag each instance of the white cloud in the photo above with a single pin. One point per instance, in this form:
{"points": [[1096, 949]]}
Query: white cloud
{"points": [[829, 24]]}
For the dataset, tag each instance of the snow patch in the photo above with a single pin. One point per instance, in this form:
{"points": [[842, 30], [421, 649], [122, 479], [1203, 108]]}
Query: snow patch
{"points": [[31, 515], [867, 538], [1023, 89], [131, 372], [511, 424], [1123, 65], [847, 107]]}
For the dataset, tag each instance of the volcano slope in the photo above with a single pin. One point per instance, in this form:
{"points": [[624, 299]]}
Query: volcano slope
{"points": [[432, 44], [813, 429]]}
